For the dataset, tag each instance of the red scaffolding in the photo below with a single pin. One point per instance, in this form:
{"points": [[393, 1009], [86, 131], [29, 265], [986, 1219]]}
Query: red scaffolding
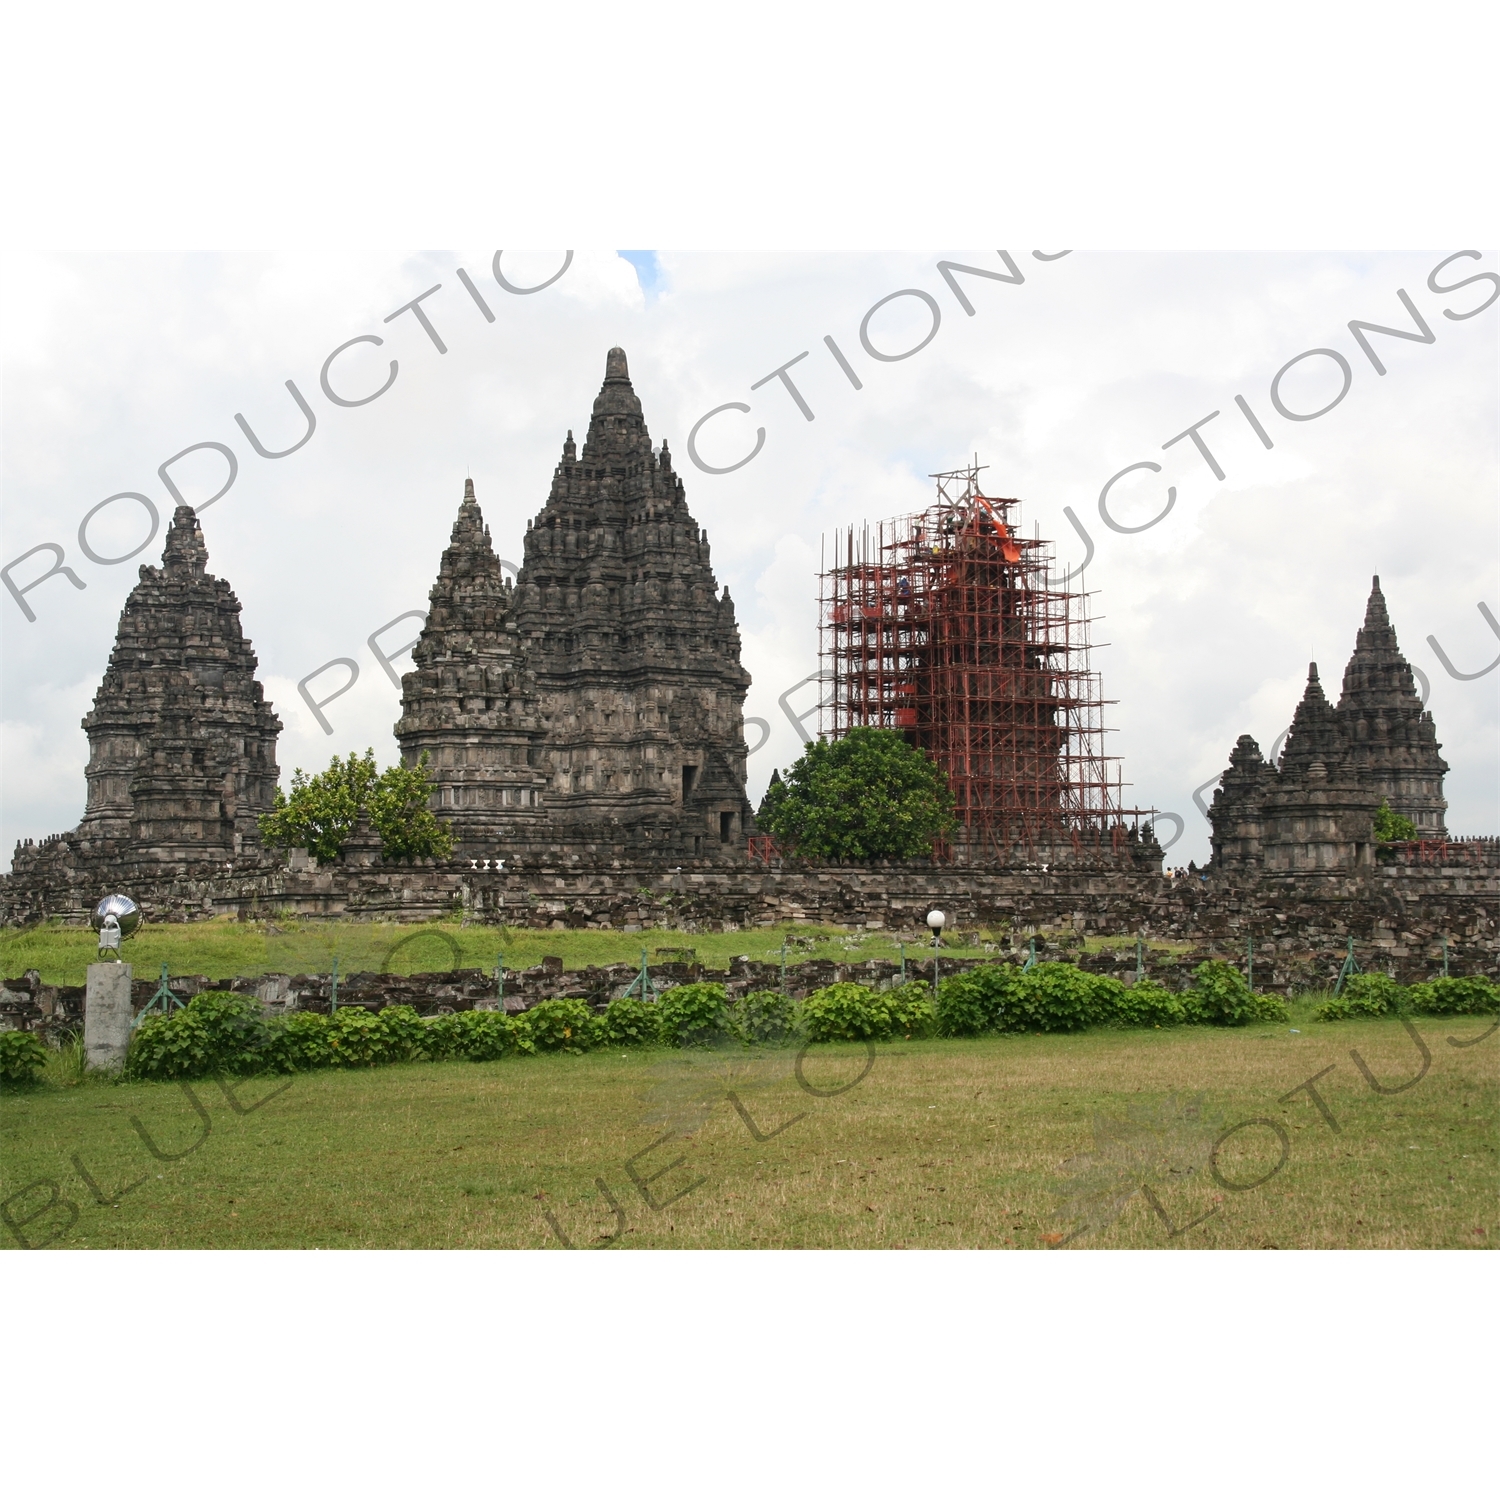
{"points": [[948, 626]]}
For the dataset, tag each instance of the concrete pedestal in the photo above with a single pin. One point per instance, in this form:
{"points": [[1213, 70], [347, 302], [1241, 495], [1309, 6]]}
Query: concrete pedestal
{"points": [[107, 1015]]}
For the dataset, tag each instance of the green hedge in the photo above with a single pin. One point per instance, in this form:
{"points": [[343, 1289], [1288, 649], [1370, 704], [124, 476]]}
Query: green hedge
{"points": [[693, 1015], [1380, 995], [1054, 997], [227, 1034], [214, 1033], [22, 1057], [627, 1022], [1219, 996], [765, 1016], [856, 1013], [476, 1036]]}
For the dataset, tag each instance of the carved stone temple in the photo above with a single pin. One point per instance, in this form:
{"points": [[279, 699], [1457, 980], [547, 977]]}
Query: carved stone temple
{"points": [[1315, 809], [182, 744], [470, 702], [585, 725], [600, 703]]}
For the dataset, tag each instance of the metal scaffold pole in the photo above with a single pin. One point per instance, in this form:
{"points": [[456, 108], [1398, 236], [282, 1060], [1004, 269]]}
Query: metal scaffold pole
{"points": [[949, 628]]}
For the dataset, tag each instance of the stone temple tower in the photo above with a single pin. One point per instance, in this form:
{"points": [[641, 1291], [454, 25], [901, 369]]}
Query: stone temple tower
{"points": [[1392, 742], [182, 744], [1315, 810], [636, 654], [470, 701]]}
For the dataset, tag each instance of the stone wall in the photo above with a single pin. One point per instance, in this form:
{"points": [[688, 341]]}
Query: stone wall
{"points": [[56, 1011], [1299, 922]]}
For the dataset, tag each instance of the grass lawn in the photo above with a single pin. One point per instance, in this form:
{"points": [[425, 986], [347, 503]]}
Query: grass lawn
{"points": [[941, 1144], [224, 948]]}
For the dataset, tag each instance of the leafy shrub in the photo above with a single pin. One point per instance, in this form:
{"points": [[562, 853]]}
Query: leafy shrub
{"points": [[559, 1025], [911, 1010], [975, 1002], [214, 1033], [764, 1016], [1334, 1008], [1056, 997], [22, 1057], [1147, 1003], [301, 1041], [359, 1038], [475, 1036], [847, 1013], [1373, 994], [693, 1015], [1219, 995], [1106, 998], [356, 1039], [1471, 996], [1363, 995], [1268, 1010], [403, 1026], [626, 1022], [166, 1047], [237, 1030]]}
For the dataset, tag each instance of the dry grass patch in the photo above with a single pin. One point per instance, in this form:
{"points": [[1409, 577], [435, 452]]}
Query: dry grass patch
{"points": [[942, 1144]]}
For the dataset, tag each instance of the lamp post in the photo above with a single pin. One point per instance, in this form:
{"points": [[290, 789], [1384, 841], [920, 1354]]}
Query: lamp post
{"points": [[935, 920]]}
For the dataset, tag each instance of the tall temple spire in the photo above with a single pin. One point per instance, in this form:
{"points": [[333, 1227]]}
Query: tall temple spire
{"points": [[1316, 810], [1315, 735], [637, 658], [1393, 741], [470, 700], [182, 744], [185, 553], [617, 430]]}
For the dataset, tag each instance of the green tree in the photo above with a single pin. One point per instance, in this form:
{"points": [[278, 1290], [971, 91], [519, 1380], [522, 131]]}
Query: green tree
{"points": [[322, 810], [399, 813], [869, 795], [1391, 825]]}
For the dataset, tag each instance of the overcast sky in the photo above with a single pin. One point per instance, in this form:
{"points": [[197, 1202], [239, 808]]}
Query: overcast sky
{"points": [[113, 364]]}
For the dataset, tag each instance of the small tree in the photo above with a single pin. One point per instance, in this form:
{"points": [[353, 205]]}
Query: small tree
{"points": [[1391, 825], [322, 810], [869, 795]]}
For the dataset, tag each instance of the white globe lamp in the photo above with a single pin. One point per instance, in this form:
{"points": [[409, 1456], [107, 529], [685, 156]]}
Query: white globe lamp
{"points": [[935, 920]]}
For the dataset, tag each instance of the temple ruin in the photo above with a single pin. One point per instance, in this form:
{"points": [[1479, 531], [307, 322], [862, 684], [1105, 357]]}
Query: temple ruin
{"points": [[182, 744], [470, 701], [585, 736], [1315, 809], [598, 704]]}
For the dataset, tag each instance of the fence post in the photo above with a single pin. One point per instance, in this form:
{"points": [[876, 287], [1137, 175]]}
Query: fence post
{"points": [[1350, 967]]}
